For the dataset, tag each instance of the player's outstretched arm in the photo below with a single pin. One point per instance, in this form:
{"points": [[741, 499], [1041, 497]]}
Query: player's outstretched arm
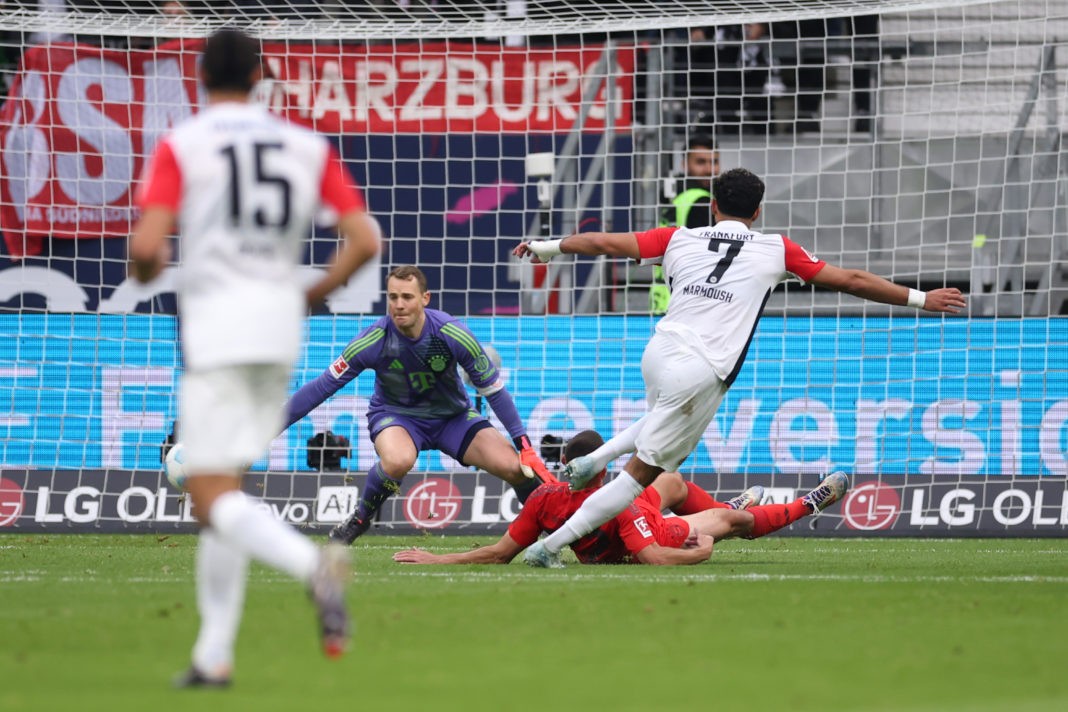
{"points": [[869, 286], [502, 552], [149, 250], [614, 244], [312, 394], [698, 548], [363, 239]]}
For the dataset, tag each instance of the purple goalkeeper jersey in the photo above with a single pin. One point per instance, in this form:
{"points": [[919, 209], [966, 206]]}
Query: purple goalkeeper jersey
{"points": [[413, 377]]}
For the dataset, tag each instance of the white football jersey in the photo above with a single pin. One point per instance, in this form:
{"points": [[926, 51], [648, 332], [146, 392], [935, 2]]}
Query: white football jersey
{"points": [[720, 279], [246, 187]]}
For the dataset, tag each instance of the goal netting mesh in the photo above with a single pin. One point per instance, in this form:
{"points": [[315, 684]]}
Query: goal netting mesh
{"points": [[922, 141]]}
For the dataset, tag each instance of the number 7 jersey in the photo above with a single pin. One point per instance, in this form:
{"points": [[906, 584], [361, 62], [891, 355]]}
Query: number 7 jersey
{"points": [[720, 279], [246, 187]]}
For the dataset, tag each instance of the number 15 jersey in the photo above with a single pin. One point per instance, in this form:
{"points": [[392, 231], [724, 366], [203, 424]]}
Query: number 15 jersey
{"points": [[246, 187], [720, 279]]}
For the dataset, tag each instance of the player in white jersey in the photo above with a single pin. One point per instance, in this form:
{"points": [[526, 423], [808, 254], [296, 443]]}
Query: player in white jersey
{"points": [[244, 187], [720, 279]]}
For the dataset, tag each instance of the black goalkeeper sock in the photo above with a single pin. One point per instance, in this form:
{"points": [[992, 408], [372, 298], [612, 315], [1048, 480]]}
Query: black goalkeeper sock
{"points": [[522, 491]]}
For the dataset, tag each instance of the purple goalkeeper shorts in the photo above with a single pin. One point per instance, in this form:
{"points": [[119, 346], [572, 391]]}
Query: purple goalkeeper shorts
{"points": [[450, 435]]}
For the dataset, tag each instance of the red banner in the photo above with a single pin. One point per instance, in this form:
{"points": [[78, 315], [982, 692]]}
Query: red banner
{"points": [[73, 134], [80, 120], [445, 88]]}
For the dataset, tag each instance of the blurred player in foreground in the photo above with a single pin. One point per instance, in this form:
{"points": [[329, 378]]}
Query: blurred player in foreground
{"points": [[641, 533], [420, 402], [244, 186], [720, 279]]}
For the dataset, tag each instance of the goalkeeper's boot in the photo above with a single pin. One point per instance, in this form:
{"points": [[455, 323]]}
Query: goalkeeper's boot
{"points": [[580, 471], [327, 589], [829, 491], [539, 557], [350, 529], [194, 678], [747, 499]]}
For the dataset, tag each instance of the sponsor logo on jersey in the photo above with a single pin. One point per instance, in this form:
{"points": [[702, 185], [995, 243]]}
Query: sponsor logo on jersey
{"points": [[643, 528], [338, 367]]}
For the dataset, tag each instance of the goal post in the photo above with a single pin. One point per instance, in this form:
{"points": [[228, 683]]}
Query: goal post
{"points": [[920, 140]]}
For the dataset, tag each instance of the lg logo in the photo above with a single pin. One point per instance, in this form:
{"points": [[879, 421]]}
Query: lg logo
{"points": [[432, 503], [11, 502], [871, 506]]}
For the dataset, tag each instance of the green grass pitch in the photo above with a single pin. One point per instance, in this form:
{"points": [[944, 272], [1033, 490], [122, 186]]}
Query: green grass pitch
{"points": [[103, 622]]}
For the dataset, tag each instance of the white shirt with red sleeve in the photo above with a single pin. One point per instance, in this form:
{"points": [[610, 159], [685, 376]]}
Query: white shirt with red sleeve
{"points": [[720, 279], [246, 187]]}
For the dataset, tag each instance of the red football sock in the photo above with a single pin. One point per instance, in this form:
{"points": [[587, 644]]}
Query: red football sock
{"points": [[697, 500], [773, 517]]}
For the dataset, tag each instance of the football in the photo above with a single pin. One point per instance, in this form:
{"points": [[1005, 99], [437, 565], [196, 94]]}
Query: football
{"points": [[174, 466]]}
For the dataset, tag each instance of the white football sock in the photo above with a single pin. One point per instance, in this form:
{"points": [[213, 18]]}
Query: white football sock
{"points": [[254, 531], [601, 506], [621, 444], [221, 575]]}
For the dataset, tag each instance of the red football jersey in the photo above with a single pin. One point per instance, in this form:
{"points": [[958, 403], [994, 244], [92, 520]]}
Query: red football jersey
{"points": [[615, 542]]}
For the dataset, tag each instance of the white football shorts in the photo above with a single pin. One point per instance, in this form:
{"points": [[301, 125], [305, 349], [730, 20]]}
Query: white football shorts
{"points": [[227, 416], [682, 394]]}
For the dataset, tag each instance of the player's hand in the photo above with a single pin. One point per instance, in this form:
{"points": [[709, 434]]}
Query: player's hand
{"points": [[530, 463], [703, 543], [531, 249], [414, 556], [946, 299]]}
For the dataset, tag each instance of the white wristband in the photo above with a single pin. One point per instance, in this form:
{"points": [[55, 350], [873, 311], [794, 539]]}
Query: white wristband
{"points": [[916, 299], [545, 249]]}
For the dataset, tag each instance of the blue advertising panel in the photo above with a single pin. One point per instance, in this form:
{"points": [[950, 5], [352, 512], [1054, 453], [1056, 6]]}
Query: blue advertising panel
{"points": [[940, 397]]}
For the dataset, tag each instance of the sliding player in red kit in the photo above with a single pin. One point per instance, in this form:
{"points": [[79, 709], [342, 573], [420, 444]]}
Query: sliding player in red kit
{"points": [[639, 534]]}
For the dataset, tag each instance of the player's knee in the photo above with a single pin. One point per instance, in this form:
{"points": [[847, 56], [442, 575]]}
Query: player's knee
{"points": [[508, 469], [741, 523], [641, 468], [397, 465], [204, 490], [672, 486]]}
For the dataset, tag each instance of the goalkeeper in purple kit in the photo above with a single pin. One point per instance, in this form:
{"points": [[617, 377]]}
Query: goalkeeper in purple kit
{"points": [[420, 402]]}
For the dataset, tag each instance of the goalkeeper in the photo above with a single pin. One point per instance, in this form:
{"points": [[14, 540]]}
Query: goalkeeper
{"points": [[420, 403]]}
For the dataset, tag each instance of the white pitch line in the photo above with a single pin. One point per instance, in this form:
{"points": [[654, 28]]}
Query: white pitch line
{"points": [[486, 577], [714, 577]]}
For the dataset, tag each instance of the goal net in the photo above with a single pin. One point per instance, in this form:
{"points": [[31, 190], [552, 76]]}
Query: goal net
{"points": [[919, 140]]}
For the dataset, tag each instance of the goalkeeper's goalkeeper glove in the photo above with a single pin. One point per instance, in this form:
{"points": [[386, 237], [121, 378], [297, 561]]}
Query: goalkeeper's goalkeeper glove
{"points": [[530, 463]]}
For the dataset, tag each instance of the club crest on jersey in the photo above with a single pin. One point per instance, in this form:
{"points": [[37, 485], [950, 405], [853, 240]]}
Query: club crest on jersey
{"points": [[437, 363], [338, 367]]}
